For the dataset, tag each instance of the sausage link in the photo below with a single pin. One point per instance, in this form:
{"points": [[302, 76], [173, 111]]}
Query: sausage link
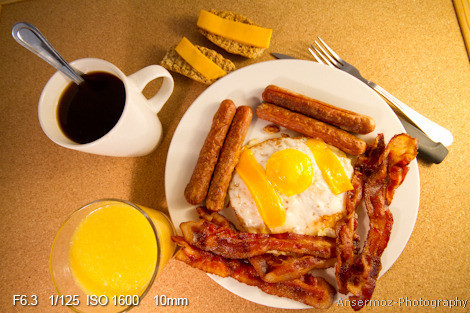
{"points": [[310, 127], [198, 185], [344, 119], [228, 159]]}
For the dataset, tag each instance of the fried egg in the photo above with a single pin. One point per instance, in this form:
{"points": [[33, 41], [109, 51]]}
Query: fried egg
{"points": [[287, 190]]}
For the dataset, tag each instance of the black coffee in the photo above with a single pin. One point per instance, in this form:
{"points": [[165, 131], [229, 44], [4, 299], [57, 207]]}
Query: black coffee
{"points": [[88, 111]]}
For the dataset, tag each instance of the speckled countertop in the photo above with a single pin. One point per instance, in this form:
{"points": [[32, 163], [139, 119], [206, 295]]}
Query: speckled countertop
{"points": [[414, 49]]}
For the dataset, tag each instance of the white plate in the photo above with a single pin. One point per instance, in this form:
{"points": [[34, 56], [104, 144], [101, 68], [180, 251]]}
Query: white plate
{"points": [[245, 87]]}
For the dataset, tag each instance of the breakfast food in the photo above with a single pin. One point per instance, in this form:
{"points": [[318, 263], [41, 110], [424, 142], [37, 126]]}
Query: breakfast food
{"points": [[382, 169], [274, 269], [232, 244], [344, 119], [196, 62], [295, 199], [228, 158], [113, 251], [310, 127], [292, 169], [234, 33], [347, 241], [197, 188], [313, 291]]}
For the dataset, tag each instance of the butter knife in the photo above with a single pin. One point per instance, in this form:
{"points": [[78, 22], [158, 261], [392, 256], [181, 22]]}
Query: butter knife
{"points": [[428, 149]]}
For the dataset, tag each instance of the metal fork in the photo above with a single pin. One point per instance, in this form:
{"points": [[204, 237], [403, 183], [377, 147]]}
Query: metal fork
{"points": [[324, 54]]}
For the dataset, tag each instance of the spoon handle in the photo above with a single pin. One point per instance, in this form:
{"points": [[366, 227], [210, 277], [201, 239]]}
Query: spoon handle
{"points": [[31, 38]]}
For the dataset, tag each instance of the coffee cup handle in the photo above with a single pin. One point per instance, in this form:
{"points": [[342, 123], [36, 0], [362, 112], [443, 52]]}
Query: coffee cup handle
{"points": [[144, 76]]}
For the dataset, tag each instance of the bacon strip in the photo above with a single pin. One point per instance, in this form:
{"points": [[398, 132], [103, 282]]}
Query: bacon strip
{"points": [[397, 155], [230, 244], [214, 217], [346, 238], [402, 149], [215, 264], [275, 269], [310, 290], [313, 291]]}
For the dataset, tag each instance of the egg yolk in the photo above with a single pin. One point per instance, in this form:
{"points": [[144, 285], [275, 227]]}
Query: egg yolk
{"points": [[267, 199], [290, 170]]}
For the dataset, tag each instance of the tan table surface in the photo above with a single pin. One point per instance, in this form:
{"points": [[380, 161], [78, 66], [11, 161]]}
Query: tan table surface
{"points": [[414, 49]]}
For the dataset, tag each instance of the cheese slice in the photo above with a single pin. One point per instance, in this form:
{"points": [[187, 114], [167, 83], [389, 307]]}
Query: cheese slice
{"points": [[198, 60], [330, 167], [267, 200], [240, 32]]}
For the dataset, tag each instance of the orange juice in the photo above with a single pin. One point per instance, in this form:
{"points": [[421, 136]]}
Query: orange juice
{"points": [[115, 251], [165, 230]]}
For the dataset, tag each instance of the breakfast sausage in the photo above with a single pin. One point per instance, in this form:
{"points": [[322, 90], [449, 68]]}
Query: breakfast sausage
{"points": [[198, 185], [310, 127], [228, 159], [344, 119]]}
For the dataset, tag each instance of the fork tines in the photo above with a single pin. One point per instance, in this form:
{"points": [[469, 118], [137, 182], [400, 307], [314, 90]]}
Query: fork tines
{"points": [[324, 54]]}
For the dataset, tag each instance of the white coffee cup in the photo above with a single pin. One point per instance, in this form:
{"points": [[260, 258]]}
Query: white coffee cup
{"points": [[138, 130]]}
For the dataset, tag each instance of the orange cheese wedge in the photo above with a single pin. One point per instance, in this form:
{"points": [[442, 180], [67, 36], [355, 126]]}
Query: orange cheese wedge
{"points": [[198, 60], [240, 32], [267, 199], [330, 167]]}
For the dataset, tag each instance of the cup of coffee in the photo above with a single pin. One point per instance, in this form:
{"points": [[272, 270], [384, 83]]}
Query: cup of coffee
{"points": [[107, 114]]}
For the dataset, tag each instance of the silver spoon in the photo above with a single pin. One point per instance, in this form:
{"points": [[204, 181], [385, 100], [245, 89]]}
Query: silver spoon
{"points": [[31, 38]]}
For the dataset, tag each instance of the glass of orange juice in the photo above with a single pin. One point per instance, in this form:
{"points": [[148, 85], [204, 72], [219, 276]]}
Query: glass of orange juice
{"points": [[107, 254]]}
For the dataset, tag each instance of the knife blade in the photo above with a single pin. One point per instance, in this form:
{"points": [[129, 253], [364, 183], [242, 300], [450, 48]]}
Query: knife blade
{"points": [[282, 56], [430, 150]]}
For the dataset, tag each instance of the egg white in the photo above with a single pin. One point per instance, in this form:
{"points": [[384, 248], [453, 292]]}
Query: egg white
{"points": [[312, 212]]}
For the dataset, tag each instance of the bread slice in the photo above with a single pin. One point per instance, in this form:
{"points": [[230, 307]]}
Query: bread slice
{"points": [[230, 45], [174, 62]]}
